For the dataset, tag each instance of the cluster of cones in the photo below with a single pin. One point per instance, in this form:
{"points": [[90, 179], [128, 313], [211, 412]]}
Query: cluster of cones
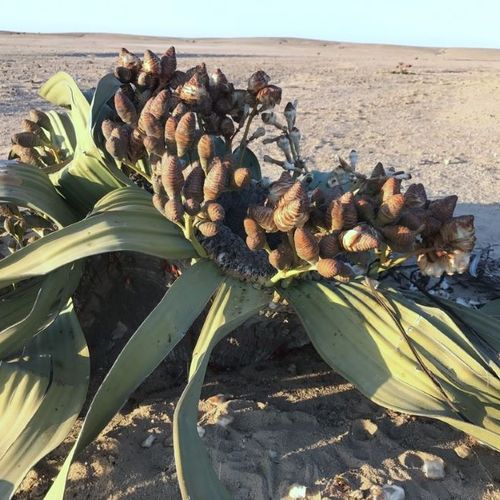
{"points": [[162, 109], [36, 144], [194, 191], [333, 233]]}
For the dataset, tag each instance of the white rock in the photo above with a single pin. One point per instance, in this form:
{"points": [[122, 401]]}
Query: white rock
{"points": [[393, 492], [433, 468], [445, 285], [224, 420], [462, 301], [297, 491], [463, 451], [148, 442], [201, 430]]}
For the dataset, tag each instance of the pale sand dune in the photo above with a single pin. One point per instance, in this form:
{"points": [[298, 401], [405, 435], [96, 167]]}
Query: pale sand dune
{"points": [[441, 124]]}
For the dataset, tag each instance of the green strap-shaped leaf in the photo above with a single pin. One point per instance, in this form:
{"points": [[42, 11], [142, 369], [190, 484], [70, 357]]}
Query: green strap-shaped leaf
{"points": [[41, 397], [62, 90], [492, 309], [53, 294], [141, 229], [360, 339], [28, 186], [105, 90], [233, 304], [248, 160], [23, 384], [62, 133], [150, 344], [474, 331], [27, 315], [130, 198], [86, 179], [17, 302]]}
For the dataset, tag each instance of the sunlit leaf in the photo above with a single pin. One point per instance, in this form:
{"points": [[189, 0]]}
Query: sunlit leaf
{"points": [[233, 304], [27, 186], [42, 395], [62, 90], [150, 344], [141, 229], [359, 338]]}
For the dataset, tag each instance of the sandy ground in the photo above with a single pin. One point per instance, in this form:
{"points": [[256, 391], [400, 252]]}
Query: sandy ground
{"points": [[294, 421]]}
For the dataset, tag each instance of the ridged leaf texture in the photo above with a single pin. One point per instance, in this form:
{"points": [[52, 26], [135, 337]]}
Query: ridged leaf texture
{"points": [[42, 394], [359, 332], [130, 224]]}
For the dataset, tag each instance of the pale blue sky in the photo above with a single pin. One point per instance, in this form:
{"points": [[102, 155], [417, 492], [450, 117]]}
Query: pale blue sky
{"points": [[466, 23]]}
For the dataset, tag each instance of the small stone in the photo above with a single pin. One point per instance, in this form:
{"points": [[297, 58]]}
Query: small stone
{"points": [[297, 491], [148, 442], [201, 430], [363, 429], [292, 369], [445, 285], [463, 451], [433, 468], [393, 492]]}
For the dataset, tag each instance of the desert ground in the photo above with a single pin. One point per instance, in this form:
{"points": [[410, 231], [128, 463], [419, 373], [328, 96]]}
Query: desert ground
{"points": [[292, 419]]}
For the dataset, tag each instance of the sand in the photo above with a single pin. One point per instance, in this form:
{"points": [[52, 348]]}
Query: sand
{"points": [[295, 421]]}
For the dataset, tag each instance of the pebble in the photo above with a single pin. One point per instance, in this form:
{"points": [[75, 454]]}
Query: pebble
{"points": [[297, 491], [148, 442], [201, 430], [393, 492], [463, 451], [273, 455], [433, 468], [461, 301], [292, 369]]}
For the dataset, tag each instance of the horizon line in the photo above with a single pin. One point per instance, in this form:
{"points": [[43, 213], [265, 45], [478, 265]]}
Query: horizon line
{"points": [[322, 40]]}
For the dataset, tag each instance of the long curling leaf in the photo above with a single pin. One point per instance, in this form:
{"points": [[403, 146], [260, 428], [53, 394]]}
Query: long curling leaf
{"points": [[105, 90], [141, 230], [28, 186], [61, 90], [62, 132], [477, 333], [233, 304], [41, 398], [150, 344], [86, 179], [357, 336], [45, 305]]}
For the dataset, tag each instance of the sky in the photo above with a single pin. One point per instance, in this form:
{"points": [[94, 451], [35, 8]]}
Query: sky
{"points": [[438, 23]]}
